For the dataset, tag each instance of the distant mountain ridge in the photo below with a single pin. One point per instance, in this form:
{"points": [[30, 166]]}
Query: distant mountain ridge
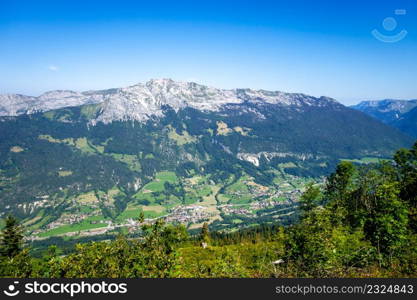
{"points": [[139, 102], [400, 114], [407, 123]]}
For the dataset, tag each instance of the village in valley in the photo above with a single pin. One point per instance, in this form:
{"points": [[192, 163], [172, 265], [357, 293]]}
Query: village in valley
{"points": [[234, 205]]}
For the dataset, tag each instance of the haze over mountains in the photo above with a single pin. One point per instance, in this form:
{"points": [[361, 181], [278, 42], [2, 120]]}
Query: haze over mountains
{"points": [[178, 150], [401, 114]]}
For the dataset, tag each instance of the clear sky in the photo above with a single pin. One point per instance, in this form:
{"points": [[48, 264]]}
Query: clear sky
{"points": [[313, 47]]}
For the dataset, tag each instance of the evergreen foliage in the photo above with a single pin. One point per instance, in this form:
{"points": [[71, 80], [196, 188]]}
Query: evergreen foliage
{"points": [[11, 237]]}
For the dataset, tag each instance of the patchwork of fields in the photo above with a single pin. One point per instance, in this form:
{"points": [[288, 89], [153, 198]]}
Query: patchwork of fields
{"points": [[192, 201]]}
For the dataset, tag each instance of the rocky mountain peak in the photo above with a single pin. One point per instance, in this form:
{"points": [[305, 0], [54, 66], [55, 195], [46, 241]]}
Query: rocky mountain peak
{"points": [[142, 100]]}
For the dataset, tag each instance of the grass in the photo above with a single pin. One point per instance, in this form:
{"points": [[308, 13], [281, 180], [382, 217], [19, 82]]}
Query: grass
{"points": [[140, 196], [167, 176], [29, 222], [154, 186], [210, 200], [242, 131], [287, 165], [210, 203], [195, 180], [83, 225], [281, 198], [152, 198], [237, 221], [190, 199], [43, 221], [158, 184], [223, 198], [238, 192], [131, 160], [49, 115], [80, 143], [150, 212], [239, 186], [364, 160], [204, 191], [129, 213], [155, 208], [99, 148], [86, 198], [90, 111], [69, 141], [84, 146], [64, 173], [86, 209], [241, 199], [180, 139], [109, 195]]}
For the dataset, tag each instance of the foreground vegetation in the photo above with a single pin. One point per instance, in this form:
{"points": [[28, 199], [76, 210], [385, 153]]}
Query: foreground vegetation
{"points": [[362, 223]]}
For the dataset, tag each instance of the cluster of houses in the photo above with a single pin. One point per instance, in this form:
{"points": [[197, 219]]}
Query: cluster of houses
{"points": [[187, 214], [230, 209]]}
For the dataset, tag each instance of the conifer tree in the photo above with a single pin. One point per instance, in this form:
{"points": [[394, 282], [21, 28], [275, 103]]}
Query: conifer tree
{"points": [[11, 237]]}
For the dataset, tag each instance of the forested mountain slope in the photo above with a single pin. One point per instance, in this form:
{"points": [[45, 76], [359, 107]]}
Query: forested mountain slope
{"points": [[181, 151]]}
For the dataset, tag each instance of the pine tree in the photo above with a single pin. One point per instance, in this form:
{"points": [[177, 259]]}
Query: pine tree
{"points": [[11, 237]]}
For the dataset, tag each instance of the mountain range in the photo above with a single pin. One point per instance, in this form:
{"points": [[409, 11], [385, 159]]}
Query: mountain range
{"points": [[140, 101], [401, 114], [87, 163]]}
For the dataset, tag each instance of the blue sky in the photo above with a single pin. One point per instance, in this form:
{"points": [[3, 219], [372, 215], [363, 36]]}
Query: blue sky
{"points": [[314, 47]]}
